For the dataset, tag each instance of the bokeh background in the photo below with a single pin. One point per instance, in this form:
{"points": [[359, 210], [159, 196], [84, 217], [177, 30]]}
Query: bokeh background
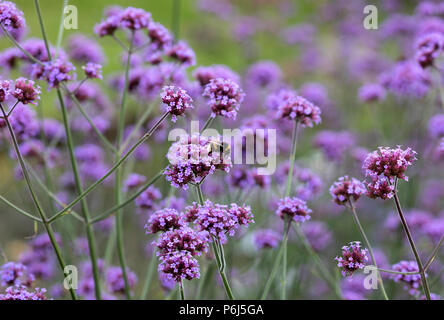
{"points": [[319, 42]]}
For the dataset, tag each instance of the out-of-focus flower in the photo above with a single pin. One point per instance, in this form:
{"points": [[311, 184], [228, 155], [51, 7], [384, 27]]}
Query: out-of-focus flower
{"points": [[412, 281], [54, 72], [407, 79], [160, 36], [93, 70], [15, 274], [176, 101], [115, 282], [146, 201], [182, 53], [436, 126], [353, 258], [264, 74], [371, 92], [428, 48], [294, 208], [347, 189], [318, 234], [84, 49], [133, 181], [205, 74], [334, 144], [11, 18], [266, 238]]}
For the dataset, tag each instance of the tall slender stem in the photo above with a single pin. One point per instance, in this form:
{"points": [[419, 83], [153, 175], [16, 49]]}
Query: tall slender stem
{"points": [[149, 277], [118, 175], [412, 243], [370, 250], [287, 222], [37, 204], [78, 183], [182, 291]]}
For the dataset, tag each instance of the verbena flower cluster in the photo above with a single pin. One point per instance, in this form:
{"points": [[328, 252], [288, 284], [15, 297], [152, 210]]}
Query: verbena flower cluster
{"points": [[353, 258]]}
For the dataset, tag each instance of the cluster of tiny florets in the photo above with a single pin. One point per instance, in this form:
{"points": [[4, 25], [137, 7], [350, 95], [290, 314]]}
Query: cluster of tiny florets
{"points": [[300, 109], [15, 274], [22, 293], [184, 239], [176, 101], [225, 97], [54, 72], [347, 189], [295, 208], [130, 18], [194, 157], [353, 258], [11, 18], [164, 220], [93, 70], [179, 265]]}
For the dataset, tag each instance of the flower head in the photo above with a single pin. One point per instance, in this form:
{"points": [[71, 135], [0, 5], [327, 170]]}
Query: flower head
{"points": [[225, 97], [346, 189], [299, 109], [436, 126], [164, 220], [295, 208], [379, 188], [371, 92], [160, 37], [205, 74], [22, 293], [184, 239], [353, 258], [176, 101], [134, 19], [5, 91], [392, 163], [179, 265], [26, 91]]}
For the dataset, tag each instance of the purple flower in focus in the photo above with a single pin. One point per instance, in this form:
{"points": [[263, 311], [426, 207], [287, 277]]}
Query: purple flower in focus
{"points": [[179, 265], [22, 293], [184, 239], [299, 109], [353, 258], [176, 101], [164, 220], [294, 208], [225, 97], [347, 189], [379, 188], [26, 91]]}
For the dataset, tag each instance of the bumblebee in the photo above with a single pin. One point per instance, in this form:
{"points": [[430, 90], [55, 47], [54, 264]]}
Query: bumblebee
{"points": [[221, 147]]}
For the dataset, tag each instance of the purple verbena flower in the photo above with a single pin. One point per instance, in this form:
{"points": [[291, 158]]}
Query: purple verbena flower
{"points": [[182, 53], [294, 208], [164, 220], [179, 265], [266, 238], [15, 274], [11, 18], [371, 92], [115, 282], [54, 72], [379, 188], [93, 70], [26, 91], [347, 189], [412, 281], [176, 101], [428, 48], [22, 293], [299, 109], [436, 126], [353, 258], [225, 97], [184, 239]]}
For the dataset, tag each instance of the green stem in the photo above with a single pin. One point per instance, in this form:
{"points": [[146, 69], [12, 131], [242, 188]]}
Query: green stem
{"points": [[104, 140], [61, 28], [370, 250], [110, 171], [149, 277], [85, 210], [19, 210], [412, 243], [110, 211], [118, 175], [39, 208], [207, 124], [182, 291], [26, 53], [434, 253]]}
